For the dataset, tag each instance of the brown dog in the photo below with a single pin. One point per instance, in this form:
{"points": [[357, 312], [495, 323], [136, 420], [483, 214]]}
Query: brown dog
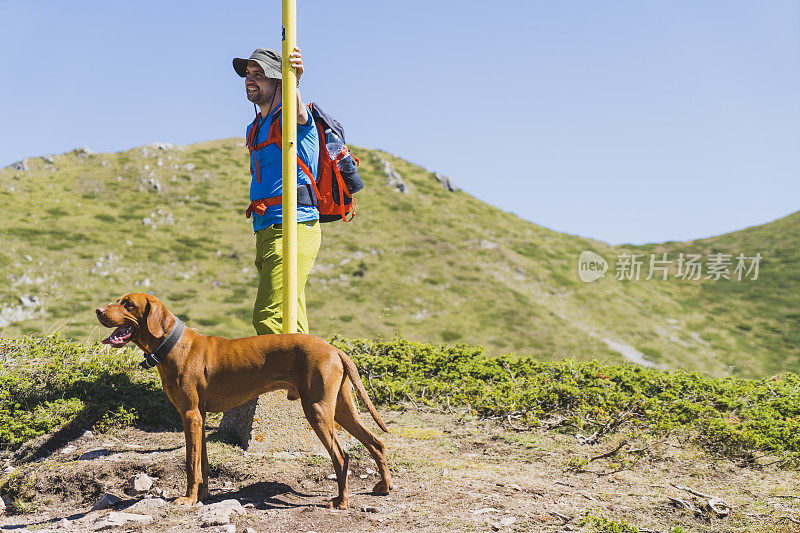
{"points": [[202, 374]]}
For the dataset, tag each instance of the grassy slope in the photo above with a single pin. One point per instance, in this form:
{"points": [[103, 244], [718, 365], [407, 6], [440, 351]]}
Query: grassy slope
{"points": [[433, 265], [753, 320]]}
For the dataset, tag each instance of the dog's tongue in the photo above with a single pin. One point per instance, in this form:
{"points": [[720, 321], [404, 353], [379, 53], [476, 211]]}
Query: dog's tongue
{"points": [[119, 337]]}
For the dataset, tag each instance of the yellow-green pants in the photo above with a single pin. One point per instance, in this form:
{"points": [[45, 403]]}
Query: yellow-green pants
{"points": [[268, 309]]}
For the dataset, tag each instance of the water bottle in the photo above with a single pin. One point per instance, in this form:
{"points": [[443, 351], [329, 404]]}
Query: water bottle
{"points": [[335, 145]]}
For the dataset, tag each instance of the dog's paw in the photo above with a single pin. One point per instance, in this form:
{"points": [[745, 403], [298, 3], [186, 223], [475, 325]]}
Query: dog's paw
{"points": [[185, 500], [338, 503], [382, 487]]}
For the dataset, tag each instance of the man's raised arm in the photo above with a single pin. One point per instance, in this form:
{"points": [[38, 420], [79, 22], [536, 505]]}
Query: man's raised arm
{"points": [[297, 62]]}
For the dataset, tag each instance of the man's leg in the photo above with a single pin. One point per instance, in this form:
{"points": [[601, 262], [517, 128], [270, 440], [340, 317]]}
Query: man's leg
{"points": [[268, 308], [309, 237], [269, 299]]}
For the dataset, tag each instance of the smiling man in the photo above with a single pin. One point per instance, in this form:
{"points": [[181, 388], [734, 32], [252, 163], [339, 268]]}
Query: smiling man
{"points": [[262, 74]]}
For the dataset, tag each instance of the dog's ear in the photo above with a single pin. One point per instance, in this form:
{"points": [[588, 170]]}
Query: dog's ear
{"points": [[154, 311]]}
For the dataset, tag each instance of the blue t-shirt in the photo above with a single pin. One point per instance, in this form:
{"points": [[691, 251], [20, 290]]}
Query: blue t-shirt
{"points": [[271, 167]]}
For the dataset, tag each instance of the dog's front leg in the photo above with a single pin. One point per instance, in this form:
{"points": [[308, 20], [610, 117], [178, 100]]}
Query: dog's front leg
{"points": [[193, 430]]}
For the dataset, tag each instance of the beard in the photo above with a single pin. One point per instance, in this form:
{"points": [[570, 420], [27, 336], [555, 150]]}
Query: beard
{"points": [[262, 96]]}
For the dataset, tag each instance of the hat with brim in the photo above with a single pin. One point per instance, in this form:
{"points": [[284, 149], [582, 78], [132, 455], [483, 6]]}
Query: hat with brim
{"points": [[270, 62]]}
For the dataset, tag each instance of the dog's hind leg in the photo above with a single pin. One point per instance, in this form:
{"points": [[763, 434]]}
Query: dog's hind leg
{"points": [[320, 416], [202, 492], [348, 417]]}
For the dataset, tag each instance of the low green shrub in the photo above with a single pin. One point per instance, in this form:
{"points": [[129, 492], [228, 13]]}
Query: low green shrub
{"points": [[730, 416], [597, 523], [48, 384]]}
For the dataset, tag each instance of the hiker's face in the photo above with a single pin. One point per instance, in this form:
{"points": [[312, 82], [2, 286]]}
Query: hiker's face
{"points": [[260, 89]]}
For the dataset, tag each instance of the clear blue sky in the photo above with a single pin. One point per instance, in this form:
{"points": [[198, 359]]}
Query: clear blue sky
{"points": [[625, 121]]}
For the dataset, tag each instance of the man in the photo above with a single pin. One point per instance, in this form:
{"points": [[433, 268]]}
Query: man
{"points": [[262, 74]]}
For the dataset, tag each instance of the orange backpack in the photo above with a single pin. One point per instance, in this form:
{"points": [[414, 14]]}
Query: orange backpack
{"points": [[332, 191]]}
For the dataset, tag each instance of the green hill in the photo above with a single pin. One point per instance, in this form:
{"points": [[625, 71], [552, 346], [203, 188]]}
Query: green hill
{"points": [[432, 265]]}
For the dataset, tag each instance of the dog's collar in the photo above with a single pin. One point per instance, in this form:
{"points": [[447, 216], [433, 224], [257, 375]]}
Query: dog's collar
{"points": [[152, 359]]}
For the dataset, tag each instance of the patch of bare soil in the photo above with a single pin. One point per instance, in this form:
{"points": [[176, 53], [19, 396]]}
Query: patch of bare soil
{"points": [[448, 476]]}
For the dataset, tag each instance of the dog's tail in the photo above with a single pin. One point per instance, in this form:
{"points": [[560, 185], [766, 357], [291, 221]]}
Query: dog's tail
{"points": [[352, 372]]}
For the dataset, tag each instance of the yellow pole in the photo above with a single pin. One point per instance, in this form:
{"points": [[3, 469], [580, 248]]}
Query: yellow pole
{"points": [[289, 134]]}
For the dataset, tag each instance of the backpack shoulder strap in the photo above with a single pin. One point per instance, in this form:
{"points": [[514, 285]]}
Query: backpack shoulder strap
{"points": [[273, 134], [252, 132]]}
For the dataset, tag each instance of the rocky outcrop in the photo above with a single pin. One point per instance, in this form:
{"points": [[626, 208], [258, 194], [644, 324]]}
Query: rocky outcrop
{"points": [[446, 182], [22, 166], [393, 178], [83, 151], [26, 310]]}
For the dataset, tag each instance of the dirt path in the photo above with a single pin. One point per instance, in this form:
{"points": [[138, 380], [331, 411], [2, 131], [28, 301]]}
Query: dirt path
{"points": [[449, 476]]}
